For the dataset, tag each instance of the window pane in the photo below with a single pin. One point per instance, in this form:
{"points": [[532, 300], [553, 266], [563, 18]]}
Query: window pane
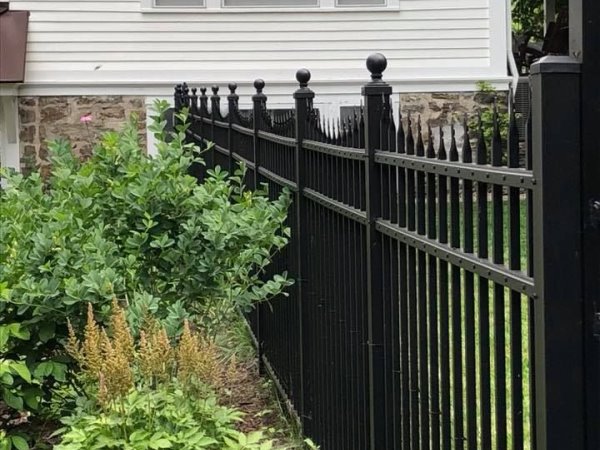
{"points": [[288, 3], [360, 2], [178, 3]]}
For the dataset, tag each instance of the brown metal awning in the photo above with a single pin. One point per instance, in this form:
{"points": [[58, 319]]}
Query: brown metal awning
{"points": [[13, 43]]}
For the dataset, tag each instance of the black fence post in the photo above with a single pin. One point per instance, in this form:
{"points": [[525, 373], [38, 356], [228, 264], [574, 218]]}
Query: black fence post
{"points": [[558, 321], [232, 100], [203, 112], [177, 105], [584, 21], [258, 104], [258, 101], [376, 94], [215, 105], [197, 170], [177, 98], [303, 99]]}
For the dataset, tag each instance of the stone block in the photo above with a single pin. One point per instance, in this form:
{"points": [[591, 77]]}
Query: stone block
{"points": [[28, 134], [55, 113], [27, 115], [110, 112]]}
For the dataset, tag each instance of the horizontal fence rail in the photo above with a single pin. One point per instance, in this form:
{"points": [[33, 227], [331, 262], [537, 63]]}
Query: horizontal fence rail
{"points": [[411, 324]]}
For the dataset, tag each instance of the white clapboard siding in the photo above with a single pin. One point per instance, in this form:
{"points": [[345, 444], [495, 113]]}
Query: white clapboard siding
{"points": [[86, 46]]}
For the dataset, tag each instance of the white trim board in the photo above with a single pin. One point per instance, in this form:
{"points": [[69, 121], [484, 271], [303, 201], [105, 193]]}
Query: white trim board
{"points": [[9, 133], [277, 88]]}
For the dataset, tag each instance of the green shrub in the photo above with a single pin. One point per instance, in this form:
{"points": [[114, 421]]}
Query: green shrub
{"points": [[127, 226], [154, 419], [486, 94], [149, 393]]}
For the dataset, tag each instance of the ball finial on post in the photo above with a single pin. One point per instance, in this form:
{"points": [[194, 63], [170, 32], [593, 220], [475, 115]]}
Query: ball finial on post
{"points": [[259, 85], [303, 77], [215, 89], [232, 87], [376, 63]]}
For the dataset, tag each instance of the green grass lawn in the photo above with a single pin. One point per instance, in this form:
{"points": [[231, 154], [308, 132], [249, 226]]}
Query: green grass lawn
{"points": [[521, 305]]}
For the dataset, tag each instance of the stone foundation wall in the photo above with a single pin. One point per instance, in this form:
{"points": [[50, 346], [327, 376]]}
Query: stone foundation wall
{"points": [[440, 109], [45, 118]]}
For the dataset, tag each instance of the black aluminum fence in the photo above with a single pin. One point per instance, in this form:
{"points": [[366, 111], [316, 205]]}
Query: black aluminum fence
{"points": [[437, 279]]}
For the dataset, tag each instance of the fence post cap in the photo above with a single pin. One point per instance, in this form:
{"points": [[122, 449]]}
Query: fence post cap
{"points": [[215, 89], [259, 85], [203, 90], [232, 87], [556, 64], [303, 77], [376, 63]]}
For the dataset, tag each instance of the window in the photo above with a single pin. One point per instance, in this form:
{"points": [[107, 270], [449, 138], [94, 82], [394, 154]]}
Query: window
{"points": [[360, 2], [174, 3], [266, 5]]}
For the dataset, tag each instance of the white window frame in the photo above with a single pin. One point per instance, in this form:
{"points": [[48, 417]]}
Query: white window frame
{"points": [[218, 6]]}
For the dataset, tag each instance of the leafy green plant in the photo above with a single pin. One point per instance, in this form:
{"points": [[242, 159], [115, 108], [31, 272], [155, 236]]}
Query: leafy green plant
{"points": [[14, 441], [528, 17], [149, 393], [154, 419], [487, 94], [128, 226]]}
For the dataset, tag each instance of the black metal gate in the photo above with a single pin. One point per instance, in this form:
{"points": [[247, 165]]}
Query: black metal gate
{"points": [[439, 299]]}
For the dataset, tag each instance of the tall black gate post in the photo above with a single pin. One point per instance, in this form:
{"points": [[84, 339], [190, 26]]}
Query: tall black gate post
{"points": [[559, 371], [375, 94], [584, 25], [303, 98]]}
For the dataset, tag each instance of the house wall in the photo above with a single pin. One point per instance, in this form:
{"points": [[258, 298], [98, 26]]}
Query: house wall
{"points": [[110, 47], [110, 51], [46, 118]]}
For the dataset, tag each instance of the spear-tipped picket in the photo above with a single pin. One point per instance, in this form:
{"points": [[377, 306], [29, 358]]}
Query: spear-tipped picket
{"points": [[330, 132], [361, 127], [513, 138], [453, 147], [467, 151], [384, 126], [401, 138], [420, 144], [442, 146], [481, 145], [355, 130], [430, 147], [410, 139], [392, 132], [322, 129], [496, 138], [349, 133]]}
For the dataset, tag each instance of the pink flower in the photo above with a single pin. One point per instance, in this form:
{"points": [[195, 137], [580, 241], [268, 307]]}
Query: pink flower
{"points": [[86, 118]]}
